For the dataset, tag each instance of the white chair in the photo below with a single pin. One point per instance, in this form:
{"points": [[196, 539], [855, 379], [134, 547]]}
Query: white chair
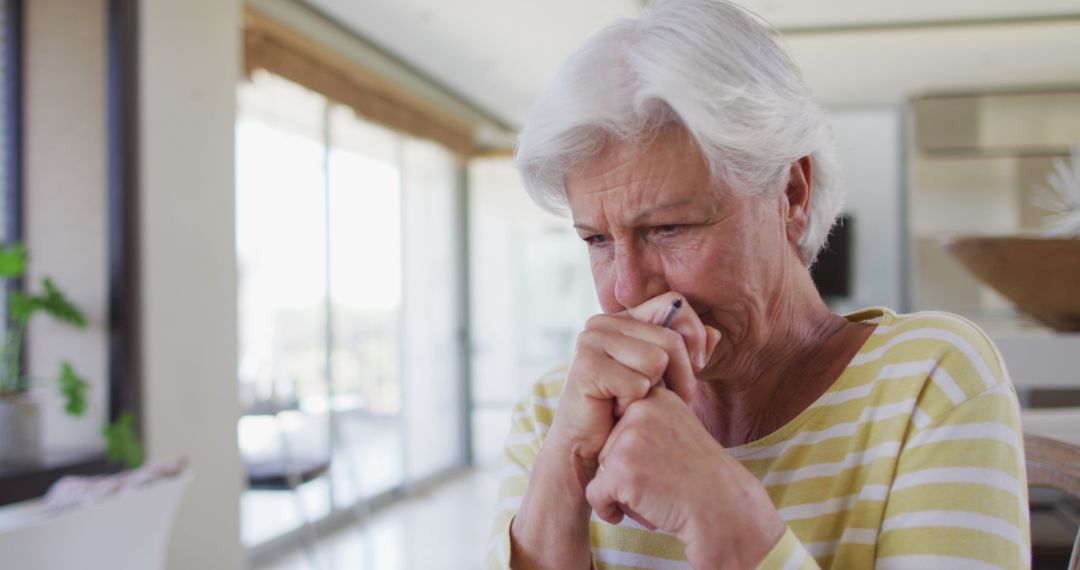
{"points": [[126, 531]]}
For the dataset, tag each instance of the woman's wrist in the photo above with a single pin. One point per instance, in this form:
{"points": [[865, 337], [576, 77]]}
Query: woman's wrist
{"points": [[757, 532], [551, 529]]}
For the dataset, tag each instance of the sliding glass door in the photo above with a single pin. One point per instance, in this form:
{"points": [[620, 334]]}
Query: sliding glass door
{"points": [[348, 253]]}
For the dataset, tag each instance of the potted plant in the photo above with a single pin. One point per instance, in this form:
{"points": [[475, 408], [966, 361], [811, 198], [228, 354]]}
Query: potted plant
{"points": [[19, 412]]}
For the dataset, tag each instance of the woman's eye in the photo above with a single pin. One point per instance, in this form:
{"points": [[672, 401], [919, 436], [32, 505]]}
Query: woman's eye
{"points": [[594, 240], [667, 230]]}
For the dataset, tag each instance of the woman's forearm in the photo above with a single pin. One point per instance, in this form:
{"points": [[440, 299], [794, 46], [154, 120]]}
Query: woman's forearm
{"points": [[551, 529]]}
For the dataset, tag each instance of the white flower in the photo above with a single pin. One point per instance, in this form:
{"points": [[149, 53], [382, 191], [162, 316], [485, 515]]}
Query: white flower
{"points": [[1061, 195]]}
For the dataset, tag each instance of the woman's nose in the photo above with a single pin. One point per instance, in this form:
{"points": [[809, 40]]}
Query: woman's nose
{"points": [[638, 278]]}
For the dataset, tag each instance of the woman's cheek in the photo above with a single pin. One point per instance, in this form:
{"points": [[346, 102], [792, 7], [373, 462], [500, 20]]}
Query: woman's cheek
{"points": [[686, 268], [604, 283]]}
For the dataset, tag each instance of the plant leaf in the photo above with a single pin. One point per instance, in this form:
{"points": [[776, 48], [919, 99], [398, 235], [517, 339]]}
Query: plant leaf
{"points": [[74, 389], [121, 443], [56, 304], [13, 260], [21, 306]]}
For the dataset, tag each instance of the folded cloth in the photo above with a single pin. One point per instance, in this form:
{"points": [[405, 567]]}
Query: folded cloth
{"points": [[80, 490]]}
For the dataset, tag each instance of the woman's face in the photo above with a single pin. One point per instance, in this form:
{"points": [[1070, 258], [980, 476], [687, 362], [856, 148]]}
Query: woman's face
{"points": [[654, 222]]}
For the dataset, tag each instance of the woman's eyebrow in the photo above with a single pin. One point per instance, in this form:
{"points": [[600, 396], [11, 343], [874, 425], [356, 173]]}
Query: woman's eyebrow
{"points": [[643, 216], [585, 227]]}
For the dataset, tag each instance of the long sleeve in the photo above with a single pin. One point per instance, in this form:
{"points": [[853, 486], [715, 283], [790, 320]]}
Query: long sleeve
{"points": [[531, 420], [788, 554], [959, 498]]}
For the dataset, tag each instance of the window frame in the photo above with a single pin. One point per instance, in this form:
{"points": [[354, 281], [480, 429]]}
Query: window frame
{"points": [[27, 482], [13, 74]]}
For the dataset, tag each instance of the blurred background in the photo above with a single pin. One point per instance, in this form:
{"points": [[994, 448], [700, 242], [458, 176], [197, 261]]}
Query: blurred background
{"points": [[308, 263]]}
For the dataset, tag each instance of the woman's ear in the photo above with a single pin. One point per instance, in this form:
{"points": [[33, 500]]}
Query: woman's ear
{"points": [[799, 189]]}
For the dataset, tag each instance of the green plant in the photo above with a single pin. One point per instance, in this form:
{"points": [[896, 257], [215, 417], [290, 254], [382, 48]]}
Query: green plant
{"points": [[121, 443], [21, 307]]}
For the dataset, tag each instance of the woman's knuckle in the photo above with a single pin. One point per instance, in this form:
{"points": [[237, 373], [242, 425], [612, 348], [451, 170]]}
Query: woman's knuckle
{"points": [[671, 338], [658, 363], [596, 321], [646, 413], [616, 463], [585, 367], [641, 387], [587, 339]]}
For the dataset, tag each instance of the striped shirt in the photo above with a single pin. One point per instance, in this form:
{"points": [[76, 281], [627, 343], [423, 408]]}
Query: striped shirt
{"points": [[913, 458]]}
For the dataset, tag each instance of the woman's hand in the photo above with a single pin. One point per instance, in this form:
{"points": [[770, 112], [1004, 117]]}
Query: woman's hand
{"points": [[663, 469], [618, 361]]}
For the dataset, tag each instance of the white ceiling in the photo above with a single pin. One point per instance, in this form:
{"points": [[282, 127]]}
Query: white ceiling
{"points": [[499, 54]]}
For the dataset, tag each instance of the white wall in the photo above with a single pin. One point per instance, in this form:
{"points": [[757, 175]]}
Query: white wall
{"points": [[189, 65], [64, 205], [871, 148]]}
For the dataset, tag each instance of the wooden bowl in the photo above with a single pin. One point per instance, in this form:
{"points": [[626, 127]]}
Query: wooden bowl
{"points": [[1040, 275]]}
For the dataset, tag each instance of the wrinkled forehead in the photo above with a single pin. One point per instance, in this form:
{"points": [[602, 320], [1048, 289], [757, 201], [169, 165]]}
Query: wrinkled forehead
{"points": [[658, 172]]}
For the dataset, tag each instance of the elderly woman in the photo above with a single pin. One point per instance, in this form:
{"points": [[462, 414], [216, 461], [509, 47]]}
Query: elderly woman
{"points": [[717, 414]]}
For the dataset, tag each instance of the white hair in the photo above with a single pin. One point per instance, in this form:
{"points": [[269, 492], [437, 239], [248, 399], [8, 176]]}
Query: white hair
{"points": [[707, 66]]}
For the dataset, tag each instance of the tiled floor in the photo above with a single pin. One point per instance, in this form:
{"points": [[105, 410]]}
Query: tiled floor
{"points": [[447, 528], [367, 459]]}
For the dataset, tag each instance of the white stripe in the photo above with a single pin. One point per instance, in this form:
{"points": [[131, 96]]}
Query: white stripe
{"points": [[850, 536], [904, 369], [965, 475], [549, 403], [918, 368], [924, 561], [634, 560], [852, 459], [839, 504], [837, 398], [977, 431], [627, 522], [871, 415], [498, 544], [859, 536], [537, 425], [959, 342], [796, 560], [955, 519], [885, 329], [943, 380], [510, 470], [520, 417], [918, 319], [920, 418], [819, 549], [527, 438]]}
